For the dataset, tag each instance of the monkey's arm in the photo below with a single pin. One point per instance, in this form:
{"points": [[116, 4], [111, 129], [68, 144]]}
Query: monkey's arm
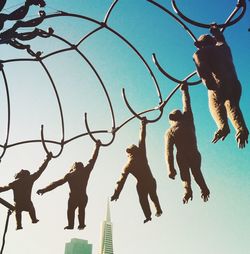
{"points": [[218, 35], [5, 188], [52, 186], [204, 71], [38, 173], [120, 183], [169, 152], [186, 104], [92, 161], [142, 138]]}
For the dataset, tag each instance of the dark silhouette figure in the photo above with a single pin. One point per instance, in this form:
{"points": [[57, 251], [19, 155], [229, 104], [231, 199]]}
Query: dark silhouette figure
{"points": [[22, 188], [215, 66], [19, 13], [138, 166], [77, 178], [181, 134]]}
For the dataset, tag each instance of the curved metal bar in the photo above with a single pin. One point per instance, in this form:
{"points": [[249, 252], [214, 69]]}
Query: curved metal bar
{"points": [[33, 141], [133, 48], [5, 230], [176, 18], [158, 107], [66, 14], [61, 113], [89, 34], [60, 14], [19, 60], [175, 89], [8, 121], [52, 141], [45, 147], [92, 136], [114, 129], [169, 76], [143, 60], [7, 204], [56, 52], [134, 116], [240, 4], [84, 134], [138, 115], [109, 11], [100, 80]]}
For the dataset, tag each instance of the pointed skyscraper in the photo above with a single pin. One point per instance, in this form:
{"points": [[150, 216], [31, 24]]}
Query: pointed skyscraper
{"points": [[106, 245]]}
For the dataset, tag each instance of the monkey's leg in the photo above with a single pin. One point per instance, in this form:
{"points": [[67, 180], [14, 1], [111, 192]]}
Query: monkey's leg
{"points": [[32, 213], [154, 198], [81, 213], [198, 177], [219, 114], [143, 198], [236, 117], [18, 214], [185, 177], [72, 204]]}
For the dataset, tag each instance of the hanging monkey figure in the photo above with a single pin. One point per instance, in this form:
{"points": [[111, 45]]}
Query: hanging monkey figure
{"points": [[22, 188], [138, 166], [215, 67], [77, 178], [181, 134]]}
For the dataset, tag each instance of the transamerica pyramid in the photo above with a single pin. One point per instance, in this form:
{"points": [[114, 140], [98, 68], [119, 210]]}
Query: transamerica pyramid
{"points": [[106, 244]]}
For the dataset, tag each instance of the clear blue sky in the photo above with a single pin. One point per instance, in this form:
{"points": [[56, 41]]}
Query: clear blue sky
{"points": [[217, 227]]}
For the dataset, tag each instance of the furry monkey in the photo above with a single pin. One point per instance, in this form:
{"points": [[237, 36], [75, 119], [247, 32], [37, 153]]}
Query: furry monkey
{"points": [[22, 188], [215, 67], [181, 134], [138, 166]]}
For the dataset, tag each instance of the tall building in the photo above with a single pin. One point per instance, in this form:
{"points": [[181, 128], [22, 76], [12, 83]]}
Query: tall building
{"points": [[78, 246], [106, 244]]}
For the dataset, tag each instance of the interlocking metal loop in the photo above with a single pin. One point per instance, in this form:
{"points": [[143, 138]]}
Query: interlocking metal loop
{"points": [[240, 5]]}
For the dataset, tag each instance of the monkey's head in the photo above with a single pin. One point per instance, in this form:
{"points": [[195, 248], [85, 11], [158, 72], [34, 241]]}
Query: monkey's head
{"points": [[205, 40], [176, 115], [76, 166], [132, 150], [22, 173]]}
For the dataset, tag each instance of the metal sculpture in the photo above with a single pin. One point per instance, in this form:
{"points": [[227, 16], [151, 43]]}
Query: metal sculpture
{"points": [[17, 39], [12, 35]]}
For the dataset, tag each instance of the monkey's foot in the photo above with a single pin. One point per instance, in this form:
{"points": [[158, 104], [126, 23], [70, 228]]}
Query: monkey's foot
{"points": [[35, 221], [188, 195], [205, 194], [19, 227], [69, 227], [242, 138], [220, 134], [172, 174], [147, 219], [158, 213], [81, 227]]}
